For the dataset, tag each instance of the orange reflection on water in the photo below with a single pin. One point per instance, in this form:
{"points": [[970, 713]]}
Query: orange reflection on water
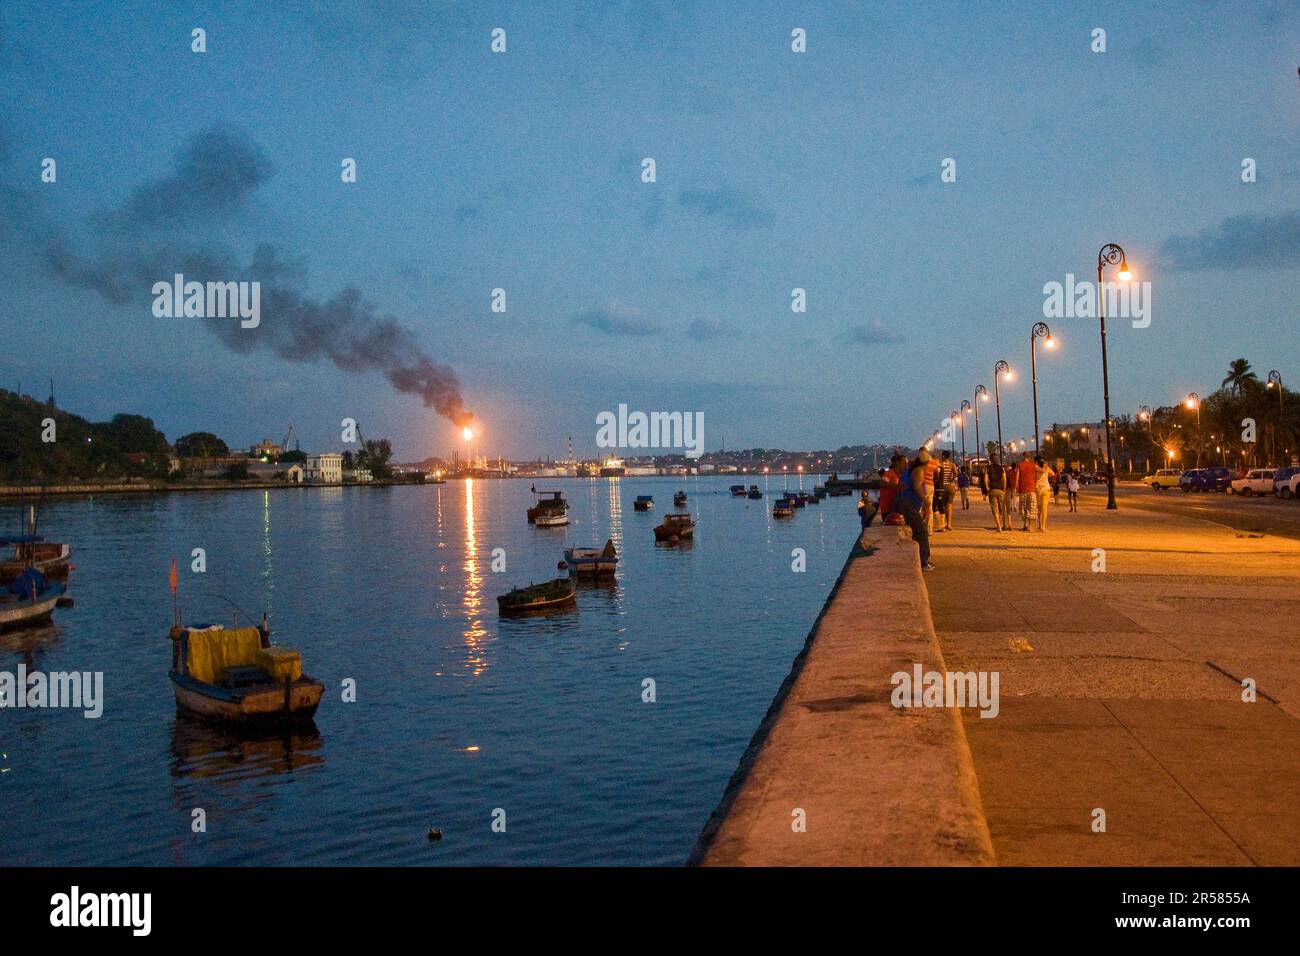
{"points": [[475, 634]]}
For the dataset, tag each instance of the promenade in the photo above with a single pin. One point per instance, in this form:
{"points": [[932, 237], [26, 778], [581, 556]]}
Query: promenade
{"points": [[1122, 689], [1121, 641]]}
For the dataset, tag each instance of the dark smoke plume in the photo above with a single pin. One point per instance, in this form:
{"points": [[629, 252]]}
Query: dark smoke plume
{"points": [[162, 230]]}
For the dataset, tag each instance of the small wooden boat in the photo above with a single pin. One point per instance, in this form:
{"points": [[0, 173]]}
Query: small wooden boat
{"points": [[676, 527], [643, 502], [550, 596], [234, 676], [679, 499], [796, 501], [555, 502], [737, 491], [755, 492], [29, 600], [52, 559], [552, 517], [784, 508], [812, 499], [591, 561]]}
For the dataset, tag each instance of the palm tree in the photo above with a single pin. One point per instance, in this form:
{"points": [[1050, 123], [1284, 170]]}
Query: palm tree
{"points": [[1239, 374]]}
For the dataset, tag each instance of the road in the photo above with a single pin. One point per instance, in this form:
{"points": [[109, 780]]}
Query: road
{"points": [[1255, 514]]}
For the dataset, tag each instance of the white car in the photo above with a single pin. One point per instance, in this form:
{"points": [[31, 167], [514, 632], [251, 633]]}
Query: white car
{"points": [[1258, 481], [1295, 487]]}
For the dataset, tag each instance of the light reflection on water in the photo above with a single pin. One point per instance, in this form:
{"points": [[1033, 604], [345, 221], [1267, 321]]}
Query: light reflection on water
{"points": [[457, 711]]}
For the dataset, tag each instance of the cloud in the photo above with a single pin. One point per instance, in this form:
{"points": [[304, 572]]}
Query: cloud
{"points": [[614, 318], [703, 330], [1247, 241], [733, 206], [872, 333]]}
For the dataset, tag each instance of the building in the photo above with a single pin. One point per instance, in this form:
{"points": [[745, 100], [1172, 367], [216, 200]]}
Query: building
{"points": [[326, 468], [266, 449], [361, 475]]}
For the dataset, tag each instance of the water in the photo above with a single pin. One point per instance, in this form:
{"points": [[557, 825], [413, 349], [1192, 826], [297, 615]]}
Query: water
{"points": [[458, 713]]}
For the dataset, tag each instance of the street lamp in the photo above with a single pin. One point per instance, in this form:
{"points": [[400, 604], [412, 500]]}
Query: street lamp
{"points": [[980, 392], [1146, 415], [1003, 367], [962, 413], [1112, 254], [1275, 378], [1194, 401], [1040, 330]]}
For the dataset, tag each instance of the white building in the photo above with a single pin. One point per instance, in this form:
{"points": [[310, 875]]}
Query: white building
{"points": [[326, 468]]}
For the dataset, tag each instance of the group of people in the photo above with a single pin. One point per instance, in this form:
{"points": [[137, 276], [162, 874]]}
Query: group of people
{"points": [[922, 493]]}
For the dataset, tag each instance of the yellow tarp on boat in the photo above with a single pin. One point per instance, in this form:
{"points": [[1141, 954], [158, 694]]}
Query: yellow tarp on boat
{"points": [[211, 652], [280, 662]]}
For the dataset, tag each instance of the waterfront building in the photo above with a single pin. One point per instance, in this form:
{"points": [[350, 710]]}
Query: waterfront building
{"points": [[326, 467]]}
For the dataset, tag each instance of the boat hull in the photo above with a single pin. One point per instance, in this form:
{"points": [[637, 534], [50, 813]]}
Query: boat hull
{"points": [[52, 560], [18, 614], [257, 706], [551, 520]]}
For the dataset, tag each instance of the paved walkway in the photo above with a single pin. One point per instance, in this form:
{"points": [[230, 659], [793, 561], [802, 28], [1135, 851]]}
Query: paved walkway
{"points": [[1121, 690]]}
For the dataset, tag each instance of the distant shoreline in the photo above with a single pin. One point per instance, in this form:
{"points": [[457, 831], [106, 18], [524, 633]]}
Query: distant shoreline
{"points": [[143, 488]]}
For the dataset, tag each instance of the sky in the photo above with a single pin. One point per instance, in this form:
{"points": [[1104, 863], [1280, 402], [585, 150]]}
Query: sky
{"points": [[523, 171]]}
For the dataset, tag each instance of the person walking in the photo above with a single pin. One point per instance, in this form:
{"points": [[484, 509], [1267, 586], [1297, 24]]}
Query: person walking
{"points": [[945, 489], [910, 500], [1026, 486], [1045, 480], [963, 487], [931, 469], [1072, 490], [995, 480], [1056, 487]]}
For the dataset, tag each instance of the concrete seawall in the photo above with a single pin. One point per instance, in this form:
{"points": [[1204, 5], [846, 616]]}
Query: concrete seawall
{"points": [[877, 785]]}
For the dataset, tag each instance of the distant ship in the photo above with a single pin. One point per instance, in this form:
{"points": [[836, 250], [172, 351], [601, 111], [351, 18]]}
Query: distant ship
{"points": [[612, 468]]}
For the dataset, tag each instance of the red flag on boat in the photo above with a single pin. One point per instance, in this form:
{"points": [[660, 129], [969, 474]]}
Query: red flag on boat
{"points": [[171, 578]]}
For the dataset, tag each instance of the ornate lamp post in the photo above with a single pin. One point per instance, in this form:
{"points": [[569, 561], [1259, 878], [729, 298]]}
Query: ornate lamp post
{"points": [[1113, 255], [1040, 330], [962, 413], [1194, 401], [1275, 378], [980, 392], [1003, 367]]}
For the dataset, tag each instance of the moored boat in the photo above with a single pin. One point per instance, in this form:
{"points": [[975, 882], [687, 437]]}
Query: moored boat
{"points": [[795, 500], [50, 558], [679, 499], [29, 600], [554, 503], [552, 517], [591, 561], [783, 508], [755, 492], [552, 595], [235, 676], [738, 491], [643, 502], [676, 527]]}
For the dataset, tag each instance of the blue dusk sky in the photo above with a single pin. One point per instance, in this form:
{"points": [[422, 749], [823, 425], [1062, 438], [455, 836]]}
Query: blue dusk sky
{"points": [[522, 171]]}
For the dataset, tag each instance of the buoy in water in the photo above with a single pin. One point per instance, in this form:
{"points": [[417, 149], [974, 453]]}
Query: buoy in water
{"points": [[434, 834]]}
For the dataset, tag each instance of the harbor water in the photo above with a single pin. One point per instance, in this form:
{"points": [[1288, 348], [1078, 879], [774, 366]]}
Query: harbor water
{"points": [[461, 719]]}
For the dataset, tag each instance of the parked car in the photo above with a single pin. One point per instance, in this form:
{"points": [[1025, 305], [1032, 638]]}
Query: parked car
{"points": [[1282, 481], [1295, 486], [1221, 477], [1164, 478], [1191, 480], [1205, 479], [1258, 481]]}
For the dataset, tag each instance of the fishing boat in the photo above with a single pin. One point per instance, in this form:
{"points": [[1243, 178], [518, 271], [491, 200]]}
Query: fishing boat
{"points": [[29, 600], [552, 517], [738, 491], [234, 675], [48, 557], [677, 527], [812, 498], [591, 561], [755, 492], [644, 502], [679, 499], [543, 505], [784, 508], [796, 501], [551, 596]]}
